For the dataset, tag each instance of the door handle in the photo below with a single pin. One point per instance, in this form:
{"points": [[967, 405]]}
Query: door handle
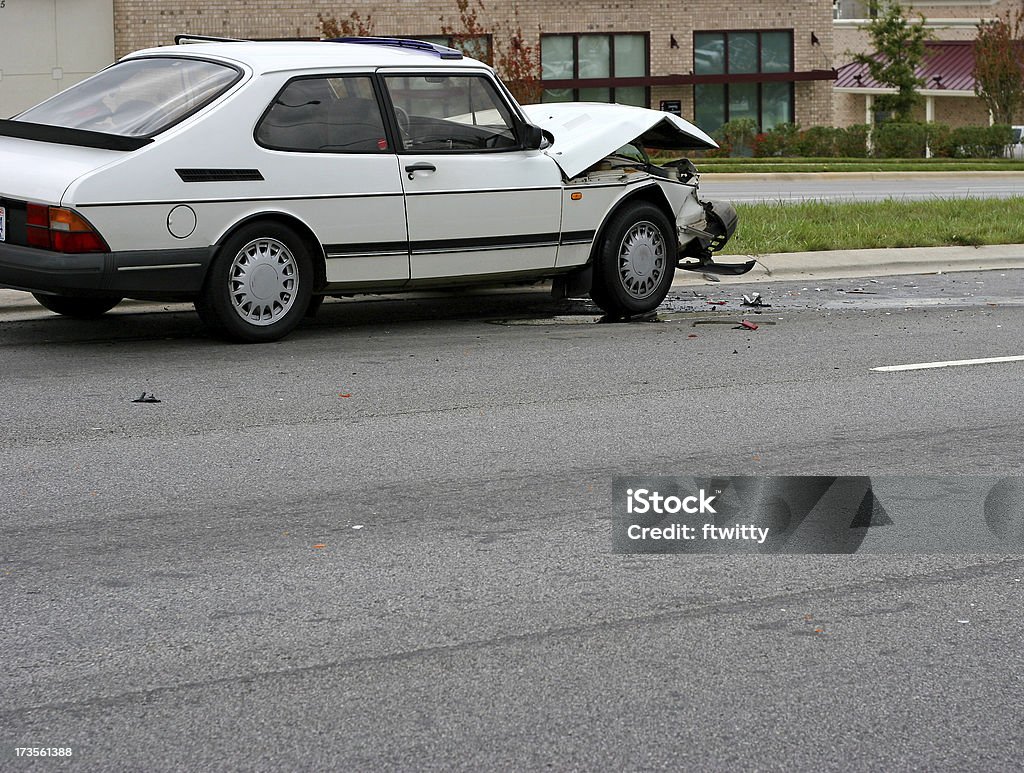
{"points": [[420, 166]]}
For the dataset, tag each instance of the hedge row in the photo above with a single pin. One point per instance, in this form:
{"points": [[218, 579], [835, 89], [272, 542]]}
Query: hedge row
{"points": [[885, 140]]}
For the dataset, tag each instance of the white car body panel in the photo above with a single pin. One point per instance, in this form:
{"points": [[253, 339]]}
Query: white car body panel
{"points": [[487, 198], [42, 172], [586, 132]]}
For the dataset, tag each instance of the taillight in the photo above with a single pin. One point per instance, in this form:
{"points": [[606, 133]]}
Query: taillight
{"points": [[38, 221], [61, 230]]}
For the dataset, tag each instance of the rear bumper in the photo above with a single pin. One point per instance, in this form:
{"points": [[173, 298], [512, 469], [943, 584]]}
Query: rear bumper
{"points": [[147, 274]]}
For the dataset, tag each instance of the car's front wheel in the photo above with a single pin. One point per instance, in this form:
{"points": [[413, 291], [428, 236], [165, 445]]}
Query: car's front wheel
{"points": [[636, 261], [77, 308], [259, 285]]}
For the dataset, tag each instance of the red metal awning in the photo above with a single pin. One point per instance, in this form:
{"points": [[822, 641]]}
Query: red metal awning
{"points": [[948, 66]]}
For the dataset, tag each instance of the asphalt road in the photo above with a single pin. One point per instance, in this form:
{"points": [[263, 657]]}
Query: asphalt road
{"points": [[383, 543], [861, 187]]}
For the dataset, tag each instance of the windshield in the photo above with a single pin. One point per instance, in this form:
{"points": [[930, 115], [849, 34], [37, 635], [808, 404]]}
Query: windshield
{"points": [[136, 98]]}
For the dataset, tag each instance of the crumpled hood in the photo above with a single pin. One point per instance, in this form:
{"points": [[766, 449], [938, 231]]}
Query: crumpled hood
{"points": [[586, 132]]}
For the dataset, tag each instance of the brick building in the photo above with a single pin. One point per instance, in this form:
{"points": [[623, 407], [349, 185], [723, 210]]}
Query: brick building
{"points": [[768, 61], [949, 84]]}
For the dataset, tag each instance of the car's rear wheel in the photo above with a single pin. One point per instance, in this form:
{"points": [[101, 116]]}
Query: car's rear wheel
{"points": [[636, 261], [77, 308], [259, 285]]}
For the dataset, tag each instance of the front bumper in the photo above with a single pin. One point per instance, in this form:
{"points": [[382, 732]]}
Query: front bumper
{"points": [[144, 274]]}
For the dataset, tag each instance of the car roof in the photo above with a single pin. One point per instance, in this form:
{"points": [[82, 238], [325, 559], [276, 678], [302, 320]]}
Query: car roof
{"points": [[275, 56]]}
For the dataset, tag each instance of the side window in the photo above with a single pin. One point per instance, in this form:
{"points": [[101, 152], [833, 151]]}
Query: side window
{"points": [[450, 113], [324, 115]]}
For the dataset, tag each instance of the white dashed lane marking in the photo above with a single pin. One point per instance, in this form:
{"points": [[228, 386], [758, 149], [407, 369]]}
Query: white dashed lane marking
{"points": [[950, 363]]}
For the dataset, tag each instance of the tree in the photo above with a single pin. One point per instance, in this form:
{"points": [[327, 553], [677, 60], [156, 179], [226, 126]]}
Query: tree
{"points": [[516, 62], [998, 74], [353, 25], [899, 51]]}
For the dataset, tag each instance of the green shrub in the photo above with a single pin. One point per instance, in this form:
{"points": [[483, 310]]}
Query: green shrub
{"points": [[899, 140], [818, 142], [999, 136], [738, 135], [852, 142], [939, 138]]}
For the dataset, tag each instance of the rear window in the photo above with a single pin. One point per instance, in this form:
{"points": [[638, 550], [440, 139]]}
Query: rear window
{"points": [[136, 98]]}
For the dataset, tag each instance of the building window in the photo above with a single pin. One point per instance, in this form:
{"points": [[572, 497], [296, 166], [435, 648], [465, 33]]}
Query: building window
{"points": [[600, 59], [744, 52], [853, 9], [477, 47]]}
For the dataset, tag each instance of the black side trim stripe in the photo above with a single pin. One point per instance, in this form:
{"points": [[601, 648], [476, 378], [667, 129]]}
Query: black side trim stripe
{"points": [[61, 135], [480, 243], [218, 175], [365, 249], [485, 243], [578, 237], [483, 190], [238, 200]]}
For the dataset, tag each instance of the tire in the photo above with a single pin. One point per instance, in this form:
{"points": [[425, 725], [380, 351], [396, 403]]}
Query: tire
{"points": [[259, 286], [636, 261], [77, 308]]}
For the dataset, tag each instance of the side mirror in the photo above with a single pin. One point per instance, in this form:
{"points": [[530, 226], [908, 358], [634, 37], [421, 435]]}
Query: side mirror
{"points": [[531, 136]]}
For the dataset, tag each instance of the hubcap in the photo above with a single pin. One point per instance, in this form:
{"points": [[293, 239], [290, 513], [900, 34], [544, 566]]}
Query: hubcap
{"points": [[263, 281], [642, 259]]}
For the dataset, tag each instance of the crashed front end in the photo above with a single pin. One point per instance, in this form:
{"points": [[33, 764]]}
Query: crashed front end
{"points": [[597, 144]]}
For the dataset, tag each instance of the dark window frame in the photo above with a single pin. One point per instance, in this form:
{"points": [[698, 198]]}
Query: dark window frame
{"points": [[608, 82], [746, 75]]}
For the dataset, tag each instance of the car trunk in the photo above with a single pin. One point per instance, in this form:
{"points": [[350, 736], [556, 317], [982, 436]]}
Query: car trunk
{"points": [[40, 172], [34, 172]]}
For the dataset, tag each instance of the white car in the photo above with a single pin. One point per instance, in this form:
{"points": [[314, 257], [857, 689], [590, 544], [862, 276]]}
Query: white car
{"points": [[255, 178]]}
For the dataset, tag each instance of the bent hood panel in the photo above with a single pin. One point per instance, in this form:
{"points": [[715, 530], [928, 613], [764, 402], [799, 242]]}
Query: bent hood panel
{"points": [[586, 132], [42, 171]]}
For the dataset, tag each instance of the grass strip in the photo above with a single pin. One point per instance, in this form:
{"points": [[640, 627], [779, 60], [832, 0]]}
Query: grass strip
{"points": [[811, 225], [796, 165]]}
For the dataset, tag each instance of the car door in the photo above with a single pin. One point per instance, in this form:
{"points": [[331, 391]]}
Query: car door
{"points": [[477, 203], [326, 141]]}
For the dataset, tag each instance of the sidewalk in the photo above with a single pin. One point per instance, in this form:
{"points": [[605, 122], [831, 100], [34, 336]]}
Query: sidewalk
{"points": [[845, 264], [837, 264]]}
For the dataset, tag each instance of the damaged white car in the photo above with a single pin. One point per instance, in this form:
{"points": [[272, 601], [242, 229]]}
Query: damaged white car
{"points": [[255, 178]]}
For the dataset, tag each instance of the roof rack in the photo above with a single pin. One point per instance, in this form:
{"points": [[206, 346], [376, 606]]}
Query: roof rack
{"points": [[417, 45], [186, 38]]}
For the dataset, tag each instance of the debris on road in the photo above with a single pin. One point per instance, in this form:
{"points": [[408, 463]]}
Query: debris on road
{"points": [[755, 299], [717, 303], [146, 397], [711, 277], [746, 324]]}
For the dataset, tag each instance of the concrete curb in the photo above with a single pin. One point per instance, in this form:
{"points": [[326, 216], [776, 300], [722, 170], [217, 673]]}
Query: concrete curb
{"points": [[845, 264], [725, 176], [836, 264]]}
